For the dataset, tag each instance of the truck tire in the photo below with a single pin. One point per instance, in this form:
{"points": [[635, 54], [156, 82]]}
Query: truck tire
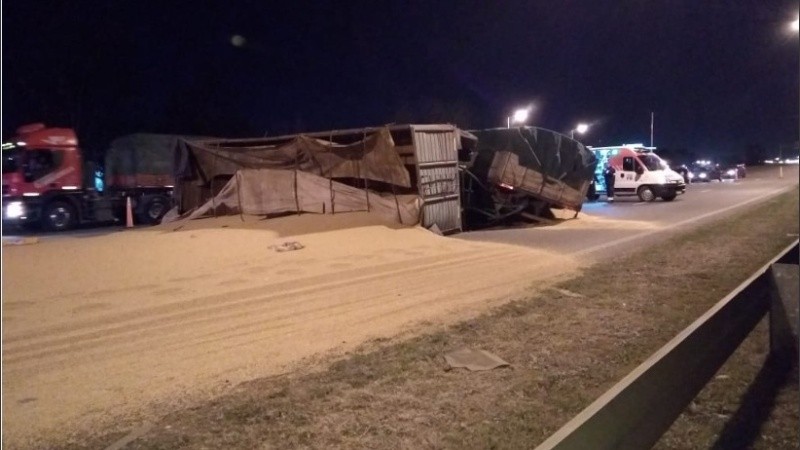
{"points": [[59, 216], [669, 196], [646, 193], [153, 209]]}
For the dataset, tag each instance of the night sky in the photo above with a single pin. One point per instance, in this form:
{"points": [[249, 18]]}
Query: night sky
{"points": [[719, 75]]}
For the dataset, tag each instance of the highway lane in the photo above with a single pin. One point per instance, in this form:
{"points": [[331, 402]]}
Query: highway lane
{"points": [[80, 348], [628, 224], [15, 235], [701, 203]]}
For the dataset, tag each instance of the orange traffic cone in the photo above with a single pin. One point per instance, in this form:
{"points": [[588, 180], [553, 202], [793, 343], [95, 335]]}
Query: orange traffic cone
{"points": [[128, 213]]}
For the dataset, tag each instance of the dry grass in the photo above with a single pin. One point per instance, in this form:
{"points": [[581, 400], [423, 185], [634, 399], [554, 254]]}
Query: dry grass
{"points": [[566, 346]]}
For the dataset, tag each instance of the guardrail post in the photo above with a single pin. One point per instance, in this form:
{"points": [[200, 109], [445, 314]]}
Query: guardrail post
{"points": [[784, 317]]}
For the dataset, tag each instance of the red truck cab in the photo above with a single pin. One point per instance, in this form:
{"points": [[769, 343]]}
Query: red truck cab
{"points": [[43, 183], [40, 165], [41, 160]]}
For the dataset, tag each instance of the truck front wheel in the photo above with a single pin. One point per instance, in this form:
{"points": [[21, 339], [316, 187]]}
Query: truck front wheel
{"points": [[59, 216], [646, 194]]}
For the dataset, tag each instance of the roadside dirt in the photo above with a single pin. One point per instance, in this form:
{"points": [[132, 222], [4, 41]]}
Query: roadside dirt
{"points": [[102, 332], [566, 343]]}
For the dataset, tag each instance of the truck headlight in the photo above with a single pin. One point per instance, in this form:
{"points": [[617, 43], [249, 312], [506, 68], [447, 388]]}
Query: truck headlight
{"points": [[731, 172], [15, 210]]}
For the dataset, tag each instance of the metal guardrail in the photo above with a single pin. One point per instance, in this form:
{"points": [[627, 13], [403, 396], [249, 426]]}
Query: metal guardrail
{"points": [[639, 409]]}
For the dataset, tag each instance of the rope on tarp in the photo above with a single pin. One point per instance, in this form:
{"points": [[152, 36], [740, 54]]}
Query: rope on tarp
{"points": [[214, 176], [361, 166], [397, 205], [330, 178], [296, 197], [238, 176]]}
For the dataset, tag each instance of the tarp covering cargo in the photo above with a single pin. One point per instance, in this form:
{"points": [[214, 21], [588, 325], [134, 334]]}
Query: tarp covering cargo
{"points": [[540, 162], [274, 191], [140, 160], [316, 168]]}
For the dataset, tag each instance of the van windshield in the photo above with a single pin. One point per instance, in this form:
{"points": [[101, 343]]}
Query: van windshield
{"points": [[653, 162]]}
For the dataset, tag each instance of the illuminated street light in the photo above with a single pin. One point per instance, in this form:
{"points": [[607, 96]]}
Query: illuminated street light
{"points": [[581, 128], [237, 40], [519, 116]]}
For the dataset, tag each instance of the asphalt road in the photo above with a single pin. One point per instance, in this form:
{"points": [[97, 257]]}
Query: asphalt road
{"points": [[629, 224], [701, 203]]}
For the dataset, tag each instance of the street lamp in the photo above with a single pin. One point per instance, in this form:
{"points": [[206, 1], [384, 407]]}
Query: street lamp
{"points": [[519, 116], [581, 128]]}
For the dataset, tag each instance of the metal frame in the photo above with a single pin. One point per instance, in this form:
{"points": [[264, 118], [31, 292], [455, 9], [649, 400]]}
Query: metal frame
{"points": [[442, 210]]}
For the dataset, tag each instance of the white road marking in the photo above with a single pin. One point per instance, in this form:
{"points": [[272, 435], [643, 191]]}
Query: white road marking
{"points": [[681, 223]]}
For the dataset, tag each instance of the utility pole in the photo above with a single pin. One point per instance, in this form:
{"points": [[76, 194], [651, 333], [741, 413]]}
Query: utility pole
{"points": [[652, 117]]}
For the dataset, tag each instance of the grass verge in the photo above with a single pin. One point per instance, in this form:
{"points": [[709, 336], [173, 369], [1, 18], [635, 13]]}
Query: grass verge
{"points": [[567, 345]]}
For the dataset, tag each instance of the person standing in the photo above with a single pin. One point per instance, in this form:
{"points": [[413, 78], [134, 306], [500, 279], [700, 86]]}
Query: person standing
{"points": [[609, 175]]}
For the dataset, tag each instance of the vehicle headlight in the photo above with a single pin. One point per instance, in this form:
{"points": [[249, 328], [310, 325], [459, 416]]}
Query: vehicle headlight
{"points": [[15, 210], [731, 172], [702, 175], [691, 175]]}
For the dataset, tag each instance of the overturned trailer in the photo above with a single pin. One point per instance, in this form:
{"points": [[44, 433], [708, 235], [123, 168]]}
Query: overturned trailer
{"points": [[406, 172], [523, 172]]}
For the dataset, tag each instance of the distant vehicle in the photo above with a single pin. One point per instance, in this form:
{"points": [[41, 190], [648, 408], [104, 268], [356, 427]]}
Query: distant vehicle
{"points": [[44, 183], [703, 173], [742, 169], [640, 172], [683, 170], [788, 160], [734, 172]]}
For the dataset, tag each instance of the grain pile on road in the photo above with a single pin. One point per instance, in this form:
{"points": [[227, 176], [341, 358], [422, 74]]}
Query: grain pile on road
{"points": [[107, 330], [567, 220]]}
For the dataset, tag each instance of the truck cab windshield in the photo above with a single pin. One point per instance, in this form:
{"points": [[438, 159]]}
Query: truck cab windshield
{"points": [[40, 162], [10, 160]]}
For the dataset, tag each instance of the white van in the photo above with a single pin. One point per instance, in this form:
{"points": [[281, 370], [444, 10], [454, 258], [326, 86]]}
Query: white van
{"points": [[639, 171]]}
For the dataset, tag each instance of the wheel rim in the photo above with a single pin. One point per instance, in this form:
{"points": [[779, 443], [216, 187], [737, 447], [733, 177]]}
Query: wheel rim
{"points": [[155, 210], [60, 217], [647, 195]]}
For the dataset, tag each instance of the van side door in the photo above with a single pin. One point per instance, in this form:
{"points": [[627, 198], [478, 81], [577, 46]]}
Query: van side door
{"points": [[626, 178]]}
